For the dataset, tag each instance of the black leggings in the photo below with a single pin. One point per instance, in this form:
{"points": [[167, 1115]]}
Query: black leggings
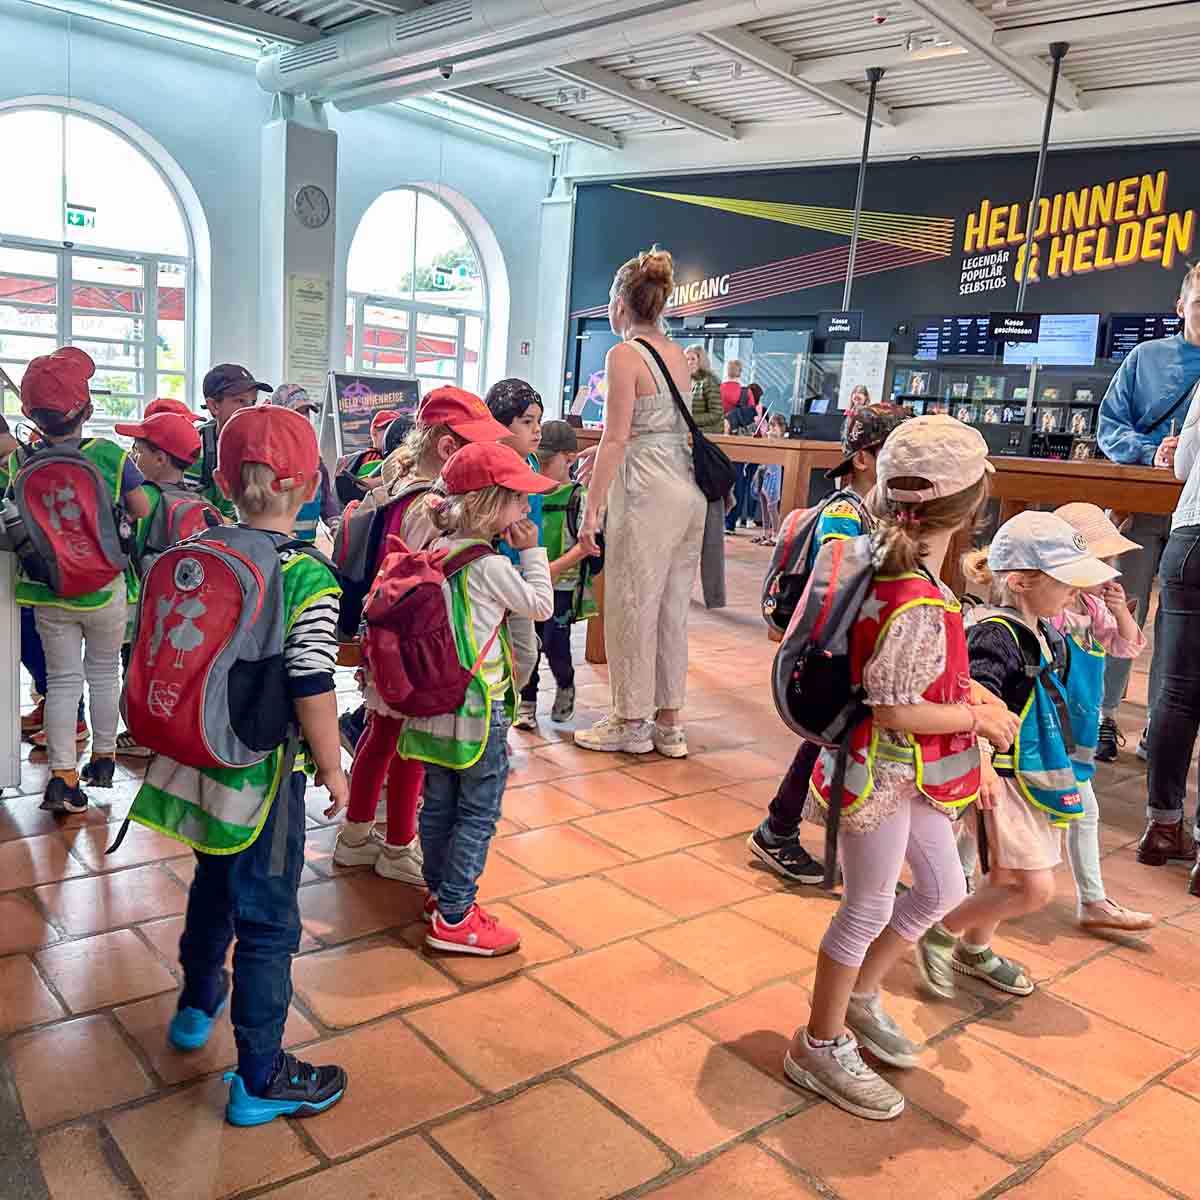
{"points": [[787, 809]]}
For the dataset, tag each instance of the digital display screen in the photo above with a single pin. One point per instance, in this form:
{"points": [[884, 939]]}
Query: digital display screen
{"points": [[952, 336], [1126, 330], [1066, 340]]}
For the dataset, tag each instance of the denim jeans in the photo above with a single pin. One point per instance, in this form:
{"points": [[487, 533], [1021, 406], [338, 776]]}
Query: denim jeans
{"points": [[554, 638], [743, 473], [1137, 577], [250, 895], [458, 820], [1176, 713]]}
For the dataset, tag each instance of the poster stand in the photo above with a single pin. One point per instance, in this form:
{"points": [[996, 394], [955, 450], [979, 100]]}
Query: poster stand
{"points": [[349, 401]]}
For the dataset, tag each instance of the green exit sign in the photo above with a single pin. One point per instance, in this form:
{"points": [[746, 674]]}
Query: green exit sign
{"points": [[81, 216]]}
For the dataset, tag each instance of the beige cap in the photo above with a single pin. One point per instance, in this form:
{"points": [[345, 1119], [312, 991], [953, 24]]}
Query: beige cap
{"points": [[1104, 539], [947, 454]]}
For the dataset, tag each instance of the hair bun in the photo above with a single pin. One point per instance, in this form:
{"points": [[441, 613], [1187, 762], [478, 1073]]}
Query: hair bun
{"points": [[657, 266]]}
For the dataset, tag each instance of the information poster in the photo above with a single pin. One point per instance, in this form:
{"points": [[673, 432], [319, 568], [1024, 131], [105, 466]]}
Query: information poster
{"points": [[357, 398], [863, 365], [306, 336]]}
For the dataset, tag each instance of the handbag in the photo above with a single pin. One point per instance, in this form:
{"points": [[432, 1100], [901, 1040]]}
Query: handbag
{"points": [[714, 471]]}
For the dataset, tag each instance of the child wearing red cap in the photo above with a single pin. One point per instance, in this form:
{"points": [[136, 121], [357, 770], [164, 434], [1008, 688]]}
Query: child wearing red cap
{"points": [[267, 464], [55, 396], [483, 493], [449, 419]]}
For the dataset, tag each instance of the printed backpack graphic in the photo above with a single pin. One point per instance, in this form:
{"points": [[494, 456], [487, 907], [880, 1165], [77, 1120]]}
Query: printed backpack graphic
{"points": [[180, 513], [206, 683], [76, 537]]}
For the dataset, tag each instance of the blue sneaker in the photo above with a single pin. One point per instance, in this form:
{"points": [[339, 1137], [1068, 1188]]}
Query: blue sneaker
{"points": [[190, 1027], [296, 1089]]}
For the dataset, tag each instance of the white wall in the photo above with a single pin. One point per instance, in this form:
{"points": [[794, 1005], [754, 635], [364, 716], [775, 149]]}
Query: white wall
{"points": [[206, 110]]}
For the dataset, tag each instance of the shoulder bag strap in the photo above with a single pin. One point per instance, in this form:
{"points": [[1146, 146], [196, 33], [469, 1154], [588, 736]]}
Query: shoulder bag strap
{"points": [[1187, 395], [684, 410]]}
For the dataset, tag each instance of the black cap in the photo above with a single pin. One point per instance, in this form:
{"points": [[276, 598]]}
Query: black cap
{"points": [[866, 428], [229, 377], [508, 399]]}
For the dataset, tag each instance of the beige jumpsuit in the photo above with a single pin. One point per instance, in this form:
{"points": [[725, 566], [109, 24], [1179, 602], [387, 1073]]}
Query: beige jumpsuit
{"points": [[652, 536]]}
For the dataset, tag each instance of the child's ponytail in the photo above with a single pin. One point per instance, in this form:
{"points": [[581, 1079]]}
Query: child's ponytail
{"points": [[903, 527], [976, 570]]}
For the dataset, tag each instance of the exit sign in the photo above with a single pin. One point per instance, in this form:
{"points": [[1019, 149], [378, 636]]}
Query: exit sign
{"points": [[81, 216]]}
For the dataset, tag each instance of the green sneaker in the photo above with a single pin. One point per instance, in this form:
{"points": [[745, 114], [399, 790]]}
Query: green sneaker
{"points": [[935, 954]]}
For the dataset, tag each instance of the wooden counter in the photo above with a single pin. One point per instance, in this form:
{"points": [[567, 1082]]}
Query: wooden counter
{"points": [[1018, 484]]}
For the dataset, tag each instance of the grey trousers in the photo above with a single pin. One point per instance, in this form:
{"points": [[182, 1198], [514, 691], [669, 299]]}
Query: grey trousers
{"points": [[712, 556]]}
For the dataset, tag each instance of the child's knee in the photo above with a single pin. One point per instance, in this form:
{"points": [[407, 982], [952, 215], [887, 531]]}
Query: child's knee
{"points": [[855, 925], [1037, 889]]}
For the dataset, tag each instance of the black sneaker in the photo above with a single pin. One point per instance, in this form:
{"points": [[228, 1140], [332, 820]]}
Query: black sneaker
{"points": [[99, 772], [789, 859], [297, 1089], [351, 726], [60, 797], [1110, 741]]}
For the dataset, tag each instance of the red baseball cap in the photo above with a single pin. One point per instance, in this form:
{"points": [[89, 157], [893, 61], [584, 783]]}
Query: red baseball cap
{"points": [[384, 417], [281, 438], [58, 382], [464, 412], [166, 431], [168, 404], [488, 464]]}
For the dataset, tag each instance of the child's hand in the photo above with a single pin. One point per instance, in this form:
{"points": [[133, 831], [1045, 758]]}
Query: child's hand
{"points": [[1113, 595], [522, 534], [338, 787], [990, 785], [997, 724], [588, 532], [983, 695]]}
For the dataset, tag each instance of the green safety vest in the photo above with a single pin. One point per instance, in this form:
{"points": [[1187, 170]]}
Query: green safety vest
{"points": [[223, 810], [557, 540], [369, 469], [202, 471], [457, 740], [109, 460]]}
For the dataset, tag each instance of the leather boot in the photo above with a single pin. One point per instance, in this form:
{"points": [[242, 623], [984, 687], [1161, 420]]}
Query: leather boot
{"points": [[1162, 843], [1194, 877]]}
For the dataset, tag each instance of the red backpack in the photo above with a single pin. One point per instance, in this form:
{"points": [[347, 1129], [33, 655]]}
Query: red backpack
{"points": [[76, 535], [409, 645], [181, 511]]}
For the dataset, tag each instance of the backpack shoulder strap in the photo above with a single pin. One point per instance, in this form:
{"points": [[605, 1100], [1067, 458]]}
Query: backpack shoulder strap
{"points": [[309, 549], [459, 560]]}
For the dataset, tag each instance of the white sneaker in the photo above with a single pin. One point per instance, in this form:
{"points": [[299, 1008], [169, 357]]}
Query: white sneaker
{"points": [[402, 863], [612, 735], [357, 854], [670, 740], [838, 1073], [879, 1033], [526, 715]]}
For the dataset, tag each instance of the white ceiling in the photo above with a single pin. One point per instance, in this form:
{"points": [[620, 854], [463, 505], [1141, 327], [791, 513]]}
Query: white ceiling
{"points": [[727, 84]]}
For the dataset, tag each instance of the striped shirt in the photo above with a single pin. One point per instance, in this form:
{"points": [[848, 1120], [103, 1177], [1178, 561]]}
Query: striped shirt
{"points": [[310, 648]]}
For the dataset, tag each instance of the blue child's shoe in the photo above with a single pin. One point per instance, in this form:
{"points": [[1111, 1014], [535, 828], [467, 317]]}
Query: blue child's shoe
{"points": [[296, 1089], [190, 1027]]}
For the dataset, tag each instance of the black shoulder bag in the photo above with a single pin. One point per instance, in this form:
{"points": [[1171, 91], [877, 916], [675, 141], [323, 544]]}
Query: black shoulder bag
{"points": [[714, 471]]}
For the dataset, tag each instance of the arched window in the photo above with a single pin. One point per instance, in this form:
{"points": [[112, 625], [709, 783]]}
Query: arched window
{"points": [[416, 296], [95, 252]]}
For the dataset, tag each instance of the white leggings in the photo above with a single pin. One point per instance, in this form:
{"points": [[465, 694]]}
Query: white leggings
{"points": [[65, 632], [917, 833]]}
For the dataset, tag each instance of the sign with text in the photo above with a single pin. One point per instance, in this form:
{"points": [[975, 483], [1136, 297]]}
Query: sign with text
{"points": [[1014, 327], [840, 324], [80, 216], [357, 398]]}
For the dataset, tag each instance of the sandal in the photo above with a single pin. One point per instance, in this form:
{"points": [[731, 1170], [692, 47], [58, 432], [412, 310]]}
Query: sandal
{"points": [[1111, 915], [1002, 973]]}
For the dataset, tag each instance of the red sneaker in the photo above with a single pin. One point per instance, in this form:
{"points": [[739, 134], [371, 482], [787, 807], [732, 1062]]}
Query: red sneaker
{"points": [[40, 739], [477, 933], [33, 720], [429, 908]]}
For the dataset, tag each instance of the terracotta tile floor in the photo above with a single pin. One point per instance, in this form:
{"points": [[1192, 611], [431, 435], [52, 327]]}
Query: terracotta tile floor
{"points": [[633, 1046]]}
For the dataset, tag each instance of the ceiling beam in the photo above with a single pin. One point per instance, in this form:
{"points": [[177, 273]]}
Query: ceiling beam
{"points": [[661, 105], [832, 67], [755, 52], [965, 24], [237, 16], [1174, 20], [497, 101]]}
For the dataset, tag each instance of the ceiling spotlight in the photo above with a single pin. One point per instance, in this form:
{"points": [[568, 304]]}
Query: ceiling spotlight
{"points": [[642, 85], [693, 76], [563, 98], [581, 95], [737, 70]]}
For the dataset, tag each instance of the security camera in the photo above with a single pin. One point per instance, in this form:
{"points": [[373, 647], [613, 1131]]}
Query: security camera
{"points": [[879, 17], [445, 70]]}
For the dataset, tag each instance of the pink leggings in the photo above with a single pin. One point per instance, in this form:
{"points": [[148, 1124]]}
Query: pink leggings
{"points": [[871, 865], [374, 758]]}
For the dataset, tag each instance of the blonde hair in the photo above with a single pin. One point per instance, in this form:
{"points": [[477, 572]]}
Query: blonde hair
{"points": [[1191, 279], [470, 512], [415, 453], [254, 493], [704, 363], [733, 368], [903, 526], [645, 283], [995, 587], [777, 420]]}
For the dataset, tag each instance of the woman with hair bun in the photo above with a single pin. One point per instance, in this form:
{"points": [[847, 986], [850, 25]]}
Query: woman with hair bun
{"points": [[655, 519]]}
